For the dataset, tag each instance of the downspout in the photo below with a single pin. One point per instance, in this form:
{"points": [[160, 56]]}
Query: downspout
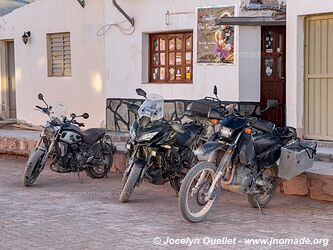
{"points": [[131, 20]]}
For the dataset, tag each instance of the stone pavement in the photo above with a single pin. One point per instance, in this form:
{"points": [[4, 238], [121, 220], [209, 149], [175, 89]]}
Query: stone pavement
{"points": [[61, 213]]}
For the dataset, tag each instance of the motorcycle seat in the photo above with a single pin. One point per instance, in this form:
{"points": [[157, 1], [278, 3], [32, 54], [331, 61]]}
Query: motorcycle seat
{"points": [[92, 135], [264, 126], [192, 130]]}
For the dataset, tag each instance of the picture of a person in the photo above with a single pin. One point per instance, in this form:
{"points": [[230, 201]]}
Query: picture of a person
{"points": [[224, 43]]}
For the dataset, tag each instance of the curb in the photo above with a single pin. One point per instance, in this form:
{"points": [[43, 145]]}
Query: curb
{"points": [[23, 147]]}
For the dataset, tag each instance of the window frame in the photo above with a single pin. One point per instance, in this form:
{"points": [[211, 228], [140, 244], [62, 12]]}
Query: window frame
{"points": [[183, 35], [49, 37]]}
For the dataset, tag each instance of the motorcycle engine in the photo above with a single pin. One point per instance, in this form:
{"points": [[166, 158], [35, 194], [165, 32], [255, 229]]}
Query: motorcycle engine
{"points": [[241, 181], [155, 175]]}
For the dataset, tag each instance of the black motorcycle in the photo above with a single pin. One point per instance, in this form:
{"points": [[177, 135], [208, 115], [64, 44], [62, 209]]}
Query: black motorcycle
{"points": [[70, 149], [241, 158], [161, 151]]}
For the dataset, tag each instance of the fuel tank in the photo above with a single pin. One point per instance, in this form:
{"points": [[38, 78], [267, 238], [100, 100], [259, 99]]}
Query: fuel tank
{"points": [[192, 130], [70, 134]]}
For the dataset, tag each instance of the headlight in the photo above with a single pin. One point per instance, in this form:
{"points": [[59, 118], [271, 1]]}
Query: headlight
{"points": [[49, 131], [147, 137], [226, 132]]}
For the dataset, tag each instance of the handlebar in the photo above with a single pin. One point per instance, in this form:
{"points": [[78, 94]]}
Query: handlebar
{"points": [[39, 107], [44, 110]]}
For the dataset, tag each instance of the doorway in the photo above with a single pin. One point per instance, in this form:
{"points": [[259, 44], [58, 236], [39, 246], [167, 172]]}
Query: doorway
{"points": [[10, 90], [318, 76], [273, 72]]}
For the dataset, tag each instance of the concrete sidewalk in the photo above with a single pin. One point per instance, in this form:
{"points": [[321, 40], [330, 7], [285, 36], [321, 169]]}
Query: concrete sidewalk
{"points": [[316, 183]]}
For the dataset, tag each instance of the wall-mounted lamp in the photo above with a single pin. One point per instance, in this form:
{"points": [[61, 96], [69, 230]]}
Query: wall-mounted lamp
{"points": [[26, 36]]}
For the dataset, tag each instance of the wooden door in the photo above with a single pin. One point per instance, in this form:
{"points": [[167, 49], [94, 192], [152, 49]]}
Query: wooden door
{"points": [[273, 61], [11, 80], [318, 76]]}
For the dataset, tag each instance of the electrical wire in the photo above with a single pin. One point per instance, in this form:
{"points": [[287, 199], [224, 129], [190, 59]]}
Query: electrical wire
{"points": [[124, 30]]}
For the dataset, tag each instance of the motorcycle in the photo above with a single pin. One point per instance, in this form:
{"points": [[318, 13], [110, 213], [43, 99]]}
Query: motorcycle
{"points": [[160, 151], [241, 158], [70, 149]]}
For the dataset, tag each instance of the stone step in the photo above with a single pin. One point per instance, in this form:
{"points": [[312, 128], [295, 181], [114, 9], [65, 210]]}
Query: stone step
{"points": [[7, 123]]}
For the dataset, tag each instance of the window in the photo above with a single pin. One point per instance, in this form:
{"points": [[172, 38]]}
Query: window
{"points": [[59, 54], [171, 58]]}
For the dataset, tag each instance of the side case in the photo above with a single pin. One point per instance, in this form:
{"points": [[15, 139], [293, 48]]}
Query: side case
{"points": [[296, 158]]}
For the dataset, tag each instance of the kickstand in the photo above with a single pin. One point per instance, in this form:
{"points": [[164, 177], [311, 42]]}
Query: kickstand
{"points": [[78, 175], [258, 204]]}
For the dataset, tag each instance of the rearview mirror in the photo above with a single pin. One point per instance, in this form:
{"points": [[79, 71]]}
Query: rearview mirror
{"points": [[85, 115], [215, 90], [272, 104], [40, 97], [141, 92]]}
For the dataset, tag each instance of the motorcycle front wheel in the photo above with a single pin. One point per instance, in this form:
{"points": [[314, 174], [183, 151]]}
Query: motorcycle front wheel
{"points": [[33, 168], [192, 203], [130, 183], [270, 175]]}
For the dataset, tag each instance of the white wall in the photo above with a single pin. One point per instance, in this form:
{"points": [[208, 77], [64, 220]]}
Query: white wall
{"points": [[296, 11], [127, 60], [85, 90], [249, 63]]}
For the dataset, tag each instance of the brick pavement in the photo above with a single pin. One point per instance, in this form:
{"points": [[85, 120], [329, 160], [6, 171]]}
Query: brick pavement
{"points": [[61, 213]]}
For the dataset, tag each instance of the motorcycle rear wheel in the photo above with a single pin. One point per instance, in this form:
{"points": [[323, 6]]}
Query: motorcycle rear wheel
{"points": [[100, 171], [32, 169], [130, 183], [266, 197]]}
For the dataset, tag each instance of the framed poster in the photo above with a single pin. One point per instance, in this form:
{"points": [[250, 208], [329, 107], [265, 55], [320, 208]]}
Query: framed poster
{"points": [[215, 43]]}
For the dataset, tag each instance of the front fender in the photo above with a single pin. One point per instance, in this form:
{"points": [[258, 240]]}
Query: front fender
{"points": [[209, 151]]}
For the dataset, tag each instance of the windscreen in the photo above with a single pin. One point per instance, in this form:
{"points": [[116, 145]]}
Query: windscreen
{"points": [[152, 107]]}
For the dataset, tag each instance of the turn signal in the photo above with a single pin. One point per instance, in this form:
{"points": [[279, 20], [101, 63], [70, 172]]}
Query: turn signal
{"points": [[248, 131], [215, 121]]}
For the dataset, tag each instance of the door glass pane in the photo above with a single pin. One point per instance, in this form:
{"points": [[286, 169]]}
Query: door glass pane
{"points": [[178, 43], [188, 57], [172, 74], [269, 67], [172, 58], [178, 73], [188, 73], [189, 43], [179, 58], [279, 43], [162, 59], [155, 59], [155, 73], [162, 44], [162, 73], [279, 67], [172, 44], [155, 44], [269, 42]]}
